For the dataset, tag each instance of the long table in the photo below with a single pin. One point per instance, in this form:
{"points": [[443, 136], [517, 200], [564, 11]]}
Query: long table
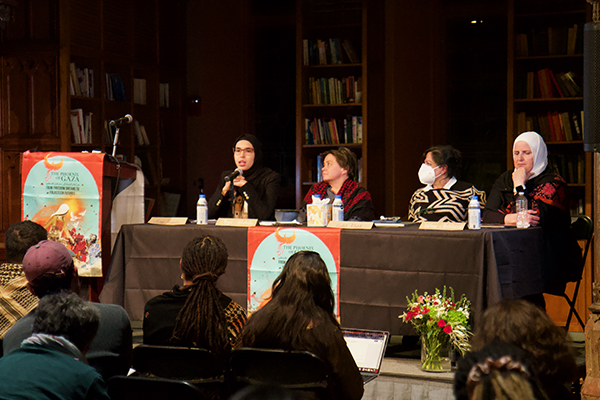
{"points": [[379, 268]]}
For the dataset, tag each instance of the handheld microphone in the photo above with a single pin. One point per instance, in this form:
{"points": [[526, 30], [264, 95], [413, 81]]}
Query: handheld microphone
{"points": [[127, 119], [236, 172]]}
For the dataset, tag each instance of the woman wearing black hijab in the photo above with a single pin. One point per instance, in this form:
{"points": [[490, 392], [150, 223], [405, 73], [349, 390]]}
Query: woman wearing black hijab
{"points": [[256, 189]]}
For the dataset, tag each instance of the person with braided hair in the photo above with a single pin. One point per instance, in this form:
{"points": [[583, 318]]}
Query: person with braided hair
{"points": [[196, 314]]}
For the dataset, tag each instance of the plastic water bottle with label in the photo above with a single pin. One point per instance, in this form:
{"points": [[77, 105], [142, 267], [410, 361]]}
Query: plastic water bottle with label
{"points": [[338, 209], [474, 213], [521, 206], [202, 210]]}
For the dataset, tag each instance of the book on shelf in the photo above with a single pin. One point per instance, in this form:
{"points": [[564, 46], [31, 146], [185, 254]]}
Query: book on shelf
{"points": [[570, 81], [140, 134], [352, 56], [553, 126], [549, 41], [324, 91], [163, 92], [139, 91], [81, 126], [81, 81], [114, 87]]}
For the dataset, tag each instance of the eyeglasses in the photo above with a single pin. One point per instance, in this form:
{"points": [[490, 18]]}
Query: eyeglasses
{"points": [[248, 151]]}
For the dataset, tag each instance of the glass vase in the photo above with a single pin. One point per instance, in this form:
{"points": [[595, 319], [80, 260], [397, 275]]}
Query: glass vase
{"points": [[435, 353]]}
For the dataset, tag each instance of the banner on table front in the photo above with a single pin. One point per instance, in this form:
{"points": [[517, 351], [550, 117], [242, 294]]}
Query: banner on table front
{"points": [[63, 193], [269, 248]]}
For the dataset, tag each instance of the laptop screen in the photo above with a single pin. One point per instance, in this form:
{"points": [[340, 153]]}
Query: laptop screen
{"points": [[367, 348]]}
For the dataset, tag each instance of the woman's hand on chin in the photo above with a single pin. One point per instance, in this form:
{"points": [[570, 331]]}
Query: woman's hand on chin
{"points": [[532, 217], [520, 176]]}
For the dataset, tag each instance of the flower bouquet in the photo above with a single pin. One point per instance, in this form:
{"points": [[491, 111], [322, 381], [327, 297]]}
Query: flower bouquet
{"points": [[442, 324]]}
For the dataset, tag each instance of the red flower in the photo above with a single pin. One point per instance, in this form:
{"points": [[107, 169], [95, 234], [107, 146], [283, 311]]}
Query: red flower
{"points": [[425, 310], [448, 329], [441, 323]]}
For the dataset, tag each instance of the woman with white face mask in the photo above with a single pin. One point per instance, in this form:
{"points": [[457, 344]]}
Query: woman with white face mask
{"points": [[444, 198], [546, 193]]}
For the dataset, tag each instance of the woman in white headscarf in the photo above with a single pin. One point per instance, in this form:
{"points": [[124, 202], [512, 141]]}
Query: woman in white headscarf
{"points": [[545, 189], [546, 193]]}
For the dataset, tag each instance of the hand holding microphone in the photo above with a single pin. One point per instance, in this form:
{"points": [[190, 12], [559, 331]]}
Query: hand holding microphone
{"points": [[236, 177]]}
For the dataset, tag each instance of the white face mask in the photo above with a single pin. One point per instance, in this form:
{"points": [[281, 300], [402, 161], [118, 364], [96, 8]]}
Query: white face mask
{"points": [[427, 174]]}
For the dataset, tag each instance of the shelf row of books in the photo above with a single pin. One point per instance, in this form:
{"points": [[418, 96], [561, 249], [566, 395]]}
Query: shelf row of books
{"points": [[334, 131], [570, 166], [81, 126], [328, 51], [554, 126], [114, 87], [550, 41], [545, 84], [315, 173], [334, 90], [163, 94], [81, 81]]}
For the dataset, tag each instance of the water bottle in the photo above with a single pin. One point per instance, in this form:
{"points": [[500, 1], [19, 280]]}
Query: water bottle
{"points": [[338, 208], [521, 206], [202, 210], [474, 213]]}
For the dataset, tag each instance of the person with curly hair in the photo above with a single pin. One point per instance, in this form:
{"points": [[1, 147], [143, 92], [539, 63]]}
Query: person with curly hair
{"points": [[300, 316], [196, 314], [526, 326]]}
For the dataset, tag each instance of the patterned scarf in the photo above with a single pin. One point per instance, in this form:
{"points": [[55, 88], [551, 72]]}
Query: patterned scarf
{"points": [[348, 189]]}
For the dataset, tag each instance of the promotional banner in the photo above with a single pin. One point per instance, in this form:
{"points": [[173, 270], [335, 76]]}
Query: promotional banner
{"points": [[269, 248], [63, 193]]}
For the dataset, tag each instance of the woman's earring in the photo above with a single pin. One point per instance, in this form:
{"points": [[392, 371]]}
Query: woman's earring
{"points": [[182, 277]]}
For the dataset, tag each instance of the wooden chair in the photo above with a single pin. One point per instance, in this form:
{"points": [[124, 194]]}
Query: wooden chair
{"points": [[137, 387], [298, 370], [583, 229]]}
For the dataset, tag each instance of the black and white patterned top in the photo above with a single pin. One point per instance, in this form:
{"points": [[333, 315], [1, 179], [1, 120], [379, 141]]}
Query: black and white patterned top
{"points": [[449, 204]]}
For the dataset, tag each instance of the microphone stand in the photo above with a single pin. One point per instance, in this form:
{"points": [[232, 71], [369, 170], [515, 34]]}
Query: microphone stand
{"points": [[116, 139], [232, 188]]}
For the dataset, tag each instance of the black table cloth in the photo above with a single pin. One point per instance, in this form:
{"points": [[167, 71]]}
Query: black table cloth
{"points": [[379, 268]]}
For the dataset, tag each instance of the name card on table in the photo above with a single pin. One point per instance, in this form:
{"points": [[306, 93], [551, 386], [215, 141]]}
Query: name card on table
{"points": [[242, 222], [351, 224], [443, 226], [168, 220]]}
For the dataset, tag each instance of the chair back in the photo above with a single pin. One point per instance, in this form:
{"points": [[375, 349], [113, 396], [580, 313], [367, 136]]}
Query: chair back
{"points": [[290, 369], [184, 363], [136, 387], [583, 229]]}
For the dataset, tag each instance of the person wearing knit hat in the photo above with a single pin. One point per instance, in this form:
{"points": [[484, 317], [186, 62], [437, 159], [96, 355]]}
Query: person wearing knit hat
{"points": [[49, 269], [255, 187]]}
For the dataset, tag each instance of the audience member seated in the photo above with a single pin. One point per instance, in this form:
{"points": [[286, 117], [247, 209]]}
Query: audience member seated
{"points": [[197, 314], [444, 198], [15, 299], [546, 193], [498, 371], [51, 364], [526, 326], [340, 176], [256, 190], [49, 268], [300, 316]]}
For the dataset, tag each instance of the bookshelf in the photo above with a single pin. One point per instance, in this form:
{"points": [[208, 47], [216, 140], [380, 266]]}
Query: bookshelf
{"points": [[331, 85], [117, 66], [544, 94]]}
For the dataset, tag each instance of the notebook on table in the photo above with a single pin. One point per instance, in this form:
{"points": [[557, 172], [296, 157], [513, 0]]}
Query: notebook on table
{"points": [[367, 348]]}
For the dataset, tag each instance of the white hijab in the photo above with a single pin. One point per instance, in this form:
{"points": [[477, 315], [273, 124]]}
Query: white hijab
{"points": [[538, 148]]}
